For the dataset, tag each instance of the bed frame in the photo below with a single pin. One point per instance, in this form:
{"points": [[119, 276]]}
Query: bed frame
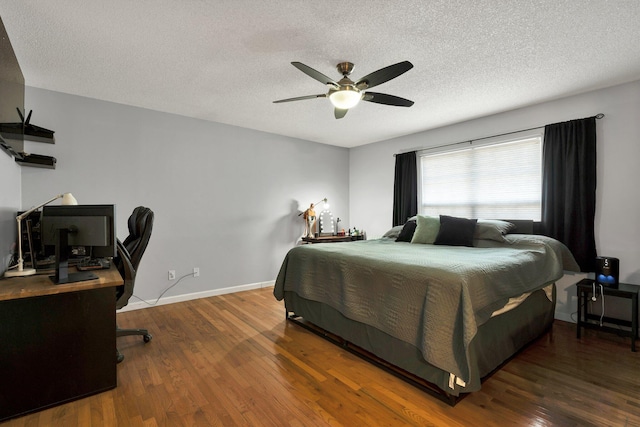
{"points": [[496, 342]]}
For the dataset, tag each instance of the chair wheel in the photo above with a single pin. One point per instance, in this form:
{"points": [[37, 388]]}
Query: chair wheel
{"points": [[147, 337], [119, 357]]}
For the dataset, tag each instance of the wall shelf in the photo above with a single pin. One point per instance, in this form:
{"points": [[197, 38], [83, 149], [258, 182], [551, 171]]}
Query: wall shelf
{"points": [[37, 161], [13, 135]]}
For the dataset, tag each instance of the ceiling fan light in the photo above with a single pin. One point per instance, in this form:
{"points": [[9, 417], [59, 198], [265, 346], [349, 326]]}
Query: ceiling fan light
{"points": [[345, 98]]}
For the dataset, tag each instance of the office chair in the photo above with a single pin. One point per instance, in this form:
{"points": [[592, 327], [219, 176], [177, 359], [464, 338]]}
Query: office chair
{"points": [[129, 254]]}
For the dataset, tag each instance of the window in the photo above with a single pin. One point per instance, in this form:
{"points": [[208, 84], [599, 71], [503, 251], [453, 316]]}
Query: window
{"points": [[495, 178]]}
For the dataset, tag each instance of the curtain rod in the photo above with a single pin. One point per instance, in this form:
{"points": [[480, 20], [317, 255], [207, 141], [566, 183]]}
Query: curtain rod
{"points": [[469, 141]]}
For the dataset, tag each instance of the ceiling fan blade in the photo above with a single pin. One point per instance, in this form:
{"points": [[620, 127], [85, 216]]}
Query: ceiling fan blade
{"points": [[300, 98], [383, 98], [340, 113], [314, 74], [385, 74]]}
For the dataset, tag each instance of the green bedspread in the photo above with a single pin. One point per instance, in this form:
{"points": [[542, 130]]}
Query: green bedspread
{"points": [[432, 297]]}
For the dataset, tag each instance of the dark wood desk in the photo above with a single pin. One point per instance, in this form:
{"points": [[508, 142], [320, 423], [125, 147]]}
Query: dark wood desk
{"points": [[57, 342]]}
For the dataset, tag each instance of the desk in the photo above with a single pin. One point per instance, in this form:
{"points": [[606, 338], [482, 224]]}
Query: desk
{"points": [[57, 342]]}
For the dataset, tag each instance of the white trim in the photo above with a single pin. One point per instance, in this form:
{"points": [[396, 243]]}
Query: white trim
{"points": [[566, 317], [196, 295], [233, 289]]}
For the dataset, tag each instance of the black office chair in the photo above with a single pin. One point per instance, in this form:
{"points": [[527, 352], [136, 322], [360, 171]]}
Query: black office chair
{"points": [[127, 261]]}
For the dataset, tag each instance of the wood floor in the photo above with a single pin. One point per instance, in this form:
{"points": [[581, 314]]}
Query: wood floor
{"points": [[233, 360]]}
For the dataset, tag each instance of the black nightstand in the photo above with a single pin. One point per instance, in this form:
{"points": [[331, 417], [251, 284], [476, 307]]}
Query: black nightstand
{"points": [[592, 321]]}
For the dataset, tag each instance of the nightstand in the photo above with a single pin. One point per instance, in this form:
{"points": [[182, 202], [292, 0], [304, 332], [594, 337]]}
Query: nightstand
{"points": [[593, 321]]}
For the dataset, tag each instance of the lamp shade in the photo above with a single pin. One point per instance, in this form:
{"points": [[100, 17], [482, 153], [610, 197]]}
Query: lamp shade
{"points": [[68, 199], [345, 98], [325, 203]]}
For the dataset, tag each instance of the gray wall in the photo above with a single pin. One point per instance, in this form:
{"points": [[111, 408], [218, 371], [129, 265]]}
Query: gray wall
{"points": [[618, 200], [226, 199]]}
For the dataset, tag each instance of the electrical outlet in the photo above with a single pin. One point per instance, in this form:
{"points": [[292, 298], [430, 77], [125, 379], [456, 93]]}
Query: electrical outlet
{"points": [[196, 272], [172, 275]]}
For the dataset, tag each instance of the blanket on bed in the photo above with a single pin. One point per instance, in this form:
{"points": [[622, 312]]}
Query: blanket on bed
{"points": [[433, 297]]}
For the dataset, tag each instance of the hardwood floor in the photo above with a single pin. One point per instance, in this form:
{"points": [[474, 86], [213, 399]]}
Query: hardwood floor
{"points": [[233, 360]]}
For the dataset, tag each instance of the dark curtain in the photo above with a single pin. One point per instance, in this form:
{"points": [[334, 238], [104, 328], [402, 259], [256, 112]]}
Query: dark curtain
{"points": [[569, 187], [405, 188]]}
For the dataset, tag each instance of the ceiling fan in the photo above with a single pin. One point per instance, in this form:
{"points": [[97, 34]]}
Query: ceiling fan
{"points": [[346, 93]]}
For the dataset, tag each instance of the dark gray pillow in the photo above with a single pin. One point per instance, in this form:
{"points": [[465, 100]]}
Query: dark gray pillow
{"points": [[407, 231], [455, 231]]}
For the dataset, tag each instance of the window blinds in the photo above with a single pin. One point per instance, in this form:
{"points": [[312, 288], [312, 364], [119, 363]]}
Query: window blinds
{"points": [[492, 180]]}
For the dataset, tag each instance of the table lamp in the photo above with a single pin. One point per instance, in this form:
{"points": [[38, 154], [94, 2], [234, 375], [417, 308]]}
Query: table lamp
{"points": [[325, 203], [309, 217], [20, 271]]}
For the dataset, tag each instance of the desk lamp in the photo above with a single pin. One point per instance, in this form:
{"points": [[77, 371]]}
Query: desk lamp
{"points": [[20, 271]]}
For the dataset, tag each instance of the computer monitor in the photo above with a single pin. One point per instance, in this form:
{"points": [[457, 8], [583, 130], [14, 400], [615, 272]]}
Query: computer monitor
{"points": [[89, 226]]}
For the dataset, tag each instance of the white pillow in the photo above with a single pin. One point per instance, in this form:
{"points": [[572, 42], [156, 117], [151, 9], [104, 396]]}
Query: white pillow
{"points": [[393, 233], [427, 228]]}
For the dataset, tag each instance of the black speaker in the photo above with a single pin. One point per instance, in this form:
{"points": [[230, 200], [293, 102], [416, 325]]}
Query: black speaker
{"points": [[607, 271]]}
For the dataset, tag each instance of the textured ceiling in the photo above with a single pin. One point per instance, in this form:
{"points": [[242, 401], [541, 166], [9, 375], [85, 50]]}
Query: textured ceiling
{"points": [[227, 60]]}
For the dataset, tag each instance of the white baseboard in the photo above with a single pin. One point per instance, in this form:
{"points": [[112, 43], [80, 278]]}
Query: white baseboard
{"points": [[214, 292], [187, 297], [564, 316]]}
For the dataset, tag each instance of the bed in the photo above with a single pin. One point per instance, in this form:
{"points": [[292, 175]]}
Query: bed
{"points": [[441, 310]]}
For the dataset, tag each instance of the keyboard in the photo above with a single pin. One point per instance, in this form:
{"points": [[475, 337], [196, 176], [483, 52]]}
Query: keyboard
{"points": [[94, 264]]}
